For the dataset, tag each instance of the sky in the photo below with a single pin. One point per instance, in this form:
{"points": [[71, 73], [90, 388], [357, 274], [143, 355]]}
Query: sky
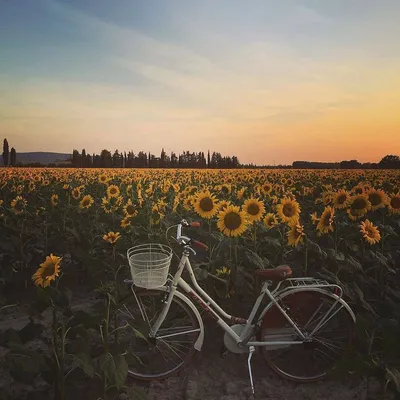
{"points": [[268, 81]]}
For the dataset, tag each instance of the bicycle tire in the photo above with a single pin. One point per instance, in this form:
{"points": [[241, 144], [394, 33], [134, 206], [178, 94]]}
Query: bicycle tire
{"points": [[145, 355], [300, 362]]}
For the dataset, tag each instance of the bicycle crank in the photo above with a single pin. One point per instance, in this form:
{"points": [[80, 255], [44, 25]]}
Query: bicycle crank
{"points": [[230, 343]]}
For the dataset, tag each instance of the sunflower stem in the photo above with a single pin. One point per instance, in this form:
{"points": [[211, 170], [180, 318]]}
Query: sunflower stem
{"points": [[306, 260], [336, 237]]}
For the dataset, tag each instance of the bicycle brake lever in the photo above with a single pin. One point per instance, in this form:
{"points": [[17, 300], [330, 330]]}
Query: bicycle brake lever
{"points": [[192, 250]]}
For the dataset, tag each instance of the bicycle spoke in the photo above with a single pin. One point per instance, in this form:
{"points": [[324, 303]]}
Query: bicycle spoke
{"points": [[327, 326], [174, 341]]}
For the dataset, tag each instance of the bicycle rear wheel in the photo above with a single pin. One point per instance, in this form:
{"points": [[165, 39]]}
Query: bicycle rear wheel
{"points": [[173, 346], [326, 322]]}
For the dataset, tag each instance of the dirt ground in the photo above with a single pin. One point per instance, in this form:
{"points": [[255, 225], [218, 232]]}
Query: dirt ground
{"points": [[211, 377]]}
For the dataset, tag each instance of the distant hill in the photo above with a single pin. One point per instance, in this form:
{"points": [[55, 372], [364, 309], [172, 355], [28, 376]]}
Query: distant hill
{"points": [[40, 157]]}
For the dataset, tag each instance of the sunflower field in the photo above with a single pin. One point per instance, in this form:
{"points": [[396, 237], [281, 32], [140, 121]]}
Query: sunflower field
{"points": [[65, 233]]}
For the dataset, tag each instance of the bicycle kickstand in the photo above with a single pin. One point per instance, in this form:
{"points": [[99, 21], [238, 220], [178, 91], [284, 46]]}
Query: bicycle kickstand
{"points": [[252, 349]]}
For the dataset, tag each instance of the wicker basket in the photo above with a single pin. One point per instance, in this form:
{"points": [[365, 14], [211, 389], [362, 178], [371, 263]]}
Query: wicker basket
{"points": [[149, 264]]}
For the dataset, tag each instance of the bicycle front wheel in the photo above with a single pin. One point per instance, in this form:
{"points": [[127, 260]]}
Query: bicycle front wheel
{"points": [[171, 349], [327, 325]]}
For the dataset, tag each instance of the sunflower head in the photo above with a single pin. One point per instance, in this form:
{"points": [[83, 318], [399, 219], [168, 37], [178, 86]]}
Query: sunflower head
{"points": [[340, 199], [223, 204], [54, 200], [126, 221], [394, 203], [86, 202], [112, 237], [205, 204], [224, 271], [377, 198], [232, 221], [314, 218], [113, 191], [18, 205], [47, 272], [359, 205], [129, 209], [103, 178], [288, 210], [296, 233], [325, 223], [370, 232], [254, 209], [270, 220], [76, 193]]}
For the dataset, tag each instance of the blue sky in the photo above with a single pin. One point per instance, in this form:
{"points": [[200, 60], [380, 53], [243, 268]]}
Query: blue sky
{"points": [[260, 79]]}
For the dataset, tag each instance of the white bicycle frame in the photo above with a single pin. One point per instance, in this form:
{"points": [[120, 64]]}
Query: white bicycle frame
{"points": [[218, 314]]}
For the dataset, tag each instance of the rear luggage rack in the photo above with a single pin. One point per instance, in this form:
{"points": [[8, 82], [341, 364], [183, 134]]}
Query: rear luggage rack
{"points": [[307, 282]]}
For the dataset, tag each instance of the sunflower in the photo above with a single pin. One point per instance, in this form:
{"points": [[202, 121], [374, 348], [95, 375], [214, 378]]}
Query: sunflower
{"points": [[325, 223], [54, 200], [18, 205], [226, 188], [341, 198], [254, 209], [205, 204], [394, 203], [66, 186], [240, 193], [103, 178], [76, 193], [113, 191], [176, 203], [270, 220], [106, 205], [377, 198], [86, 202], [156, 215], [359, 205], [370, 232], [353, 215], [288, 210], [47, 272], [223, 204], [129, 209], [126, 221], [314, 218], [328, 197], [358, 189], [232, 221], [112, 237], [296, 233], [224, 271], [188, 202], [31, 186]]}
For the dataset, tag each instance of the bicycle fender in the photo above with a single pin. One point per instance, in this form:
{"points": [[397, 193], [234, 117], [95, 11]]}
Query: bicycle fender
{"points": [[199, 342], [305, 289]]}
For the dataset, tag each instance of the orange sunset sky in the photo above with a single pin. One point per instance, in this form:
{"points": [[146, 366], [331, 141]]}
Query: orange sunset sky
{"points": [[265, 80]]}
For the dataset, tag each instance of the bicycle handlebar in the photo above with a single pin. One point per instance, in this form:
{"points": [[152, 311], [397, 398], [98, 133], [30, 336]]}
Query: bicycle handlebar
{"points": [[187, 241]]}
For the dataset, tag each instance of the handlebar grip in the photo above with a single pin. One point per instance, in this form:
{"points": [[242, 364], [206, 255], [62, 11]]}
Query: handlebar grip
{"points": [[199, 244], [195, 224]]}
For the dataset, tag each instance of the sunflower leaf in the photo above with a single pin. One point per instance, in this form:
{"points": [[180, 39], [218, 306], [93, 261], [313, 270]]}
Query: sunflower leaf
{"points": [[115, 369]]}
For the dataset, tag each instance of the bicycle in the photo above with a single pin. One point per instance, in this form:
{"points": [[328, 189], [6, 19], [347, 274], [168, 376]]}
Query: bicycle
{"points": [[295, 326]]}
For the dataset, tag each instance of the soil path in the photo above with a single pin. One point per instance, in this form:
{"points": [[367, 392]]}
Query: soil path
{"points": [[211, 377]]}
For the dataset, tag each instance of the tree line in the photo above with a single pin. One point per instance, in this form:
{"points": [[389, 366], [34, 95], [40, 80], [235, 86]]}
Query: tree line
{"points": [[9, 156], [387, 162], [142, 159]]}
